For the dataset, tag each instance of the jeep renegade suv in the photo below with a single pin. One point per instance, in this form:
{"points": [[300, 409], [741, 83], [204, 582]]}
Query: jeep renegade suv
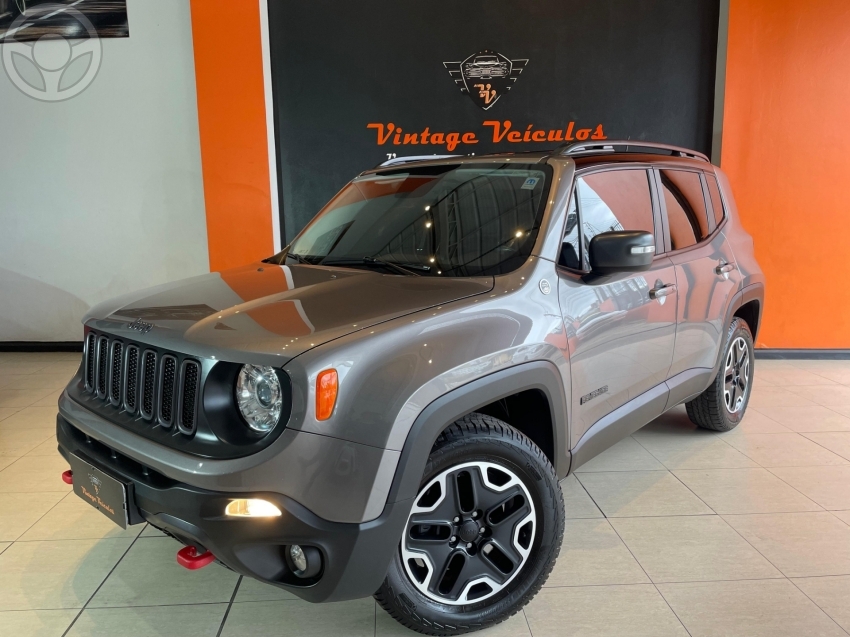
{"points": [[387, 406]]}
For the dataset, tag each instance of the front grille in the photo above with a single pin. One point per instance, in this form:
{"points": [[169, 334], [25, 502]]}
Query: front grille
{"points": [[156, 386], [148, 383], [91, 344], [167, 378], [102, 355], [117, 361], [132, 376], [188, 396]]}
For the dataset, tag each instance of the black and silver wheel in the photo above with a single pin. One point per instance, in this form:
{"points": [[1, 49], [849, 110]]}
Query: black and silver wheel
{"points": [[483, 532], [721, 407]]}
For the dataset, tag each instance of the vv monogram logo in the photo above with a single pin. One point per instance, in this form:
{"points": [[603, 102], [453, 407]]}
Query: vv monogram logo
{"points": [[485, 76]]}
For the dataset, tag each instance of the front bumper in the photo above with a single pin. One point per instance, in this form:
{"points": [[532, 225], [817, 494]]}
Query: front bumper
{"points": [[355, 556]]}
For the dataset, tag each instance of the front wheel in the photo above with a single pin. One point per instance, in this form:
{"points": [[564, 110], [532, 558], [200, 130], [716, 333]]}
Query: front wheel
{"points": [[721, 407], [482, 535]]}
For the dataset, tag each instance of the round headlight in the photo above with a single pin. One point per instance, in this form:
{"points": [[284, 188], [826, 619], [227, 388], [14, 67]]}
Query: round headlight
{"points": [[259, 397]]}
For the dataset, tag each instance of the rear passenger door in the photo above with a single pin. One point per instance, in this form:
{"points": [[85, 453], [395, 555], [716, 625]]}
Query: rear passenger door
{"points": [[706, 274], [620, 336]]}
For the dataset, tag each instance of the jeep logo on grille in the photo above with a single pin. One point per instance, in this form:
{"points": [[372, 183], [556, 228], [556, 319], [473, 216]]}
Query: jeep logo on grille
{"points": [[140, 326]]}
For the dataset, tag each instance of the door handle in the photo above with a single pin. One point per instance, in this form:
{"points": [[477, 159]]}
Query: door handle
{"points": [[662, 291], [724, 268]]}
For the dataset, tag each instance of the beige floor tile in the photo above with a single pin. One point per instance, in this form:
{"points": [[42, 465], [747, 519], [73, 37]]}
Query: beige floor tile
{"points": [[19, 511], [844, 410], [577, 504], [47, 448], [36, 623], [68, 367], [696, 449], [28, 417], [593, 554], [516, 626], [49, 381], [18, 442], [152, 621], [779, 397], [793, 378], [4, 546], [838, 374], [755, 422], [626, 455], [832, 594], [744, 491], [5, 412], [74, 519], [21, 397], [828, 486], [602, 611], [767, 608], [829, 395], [51, 400], [641, 493], [805, 419], [251, 590], [691, 549], [798, 544], [30, 366], [6, 461], [783, 450], [34, 474], [837, 442], [842, 515], [138, 579], [46, 575], [301, 619]]}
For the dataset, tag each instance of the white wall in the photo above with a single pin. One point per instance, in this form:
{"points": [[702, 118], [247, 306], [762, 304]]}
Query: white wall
{"points": [[102, 194]]}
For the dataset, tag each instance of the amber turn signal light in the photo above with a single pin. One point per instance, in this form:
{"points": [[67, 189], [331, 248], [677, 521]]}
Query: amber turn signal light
{"points": [[327, 384]]}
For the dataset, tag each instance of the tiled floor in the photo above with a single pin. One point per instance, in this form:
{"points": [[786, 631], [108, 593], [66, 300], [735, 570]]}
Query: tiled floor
{"points": [[675, 531]]}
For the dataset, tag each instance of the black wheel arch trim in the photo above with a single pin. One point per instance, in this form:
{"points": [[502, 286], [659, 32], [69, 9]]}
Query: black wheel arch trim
{"points": [[753, 292], [442, 412]]}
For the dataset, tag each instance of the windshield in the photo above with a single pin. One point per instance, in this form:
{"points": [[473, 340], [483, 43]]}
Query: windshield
{"points": [[449, 220]]}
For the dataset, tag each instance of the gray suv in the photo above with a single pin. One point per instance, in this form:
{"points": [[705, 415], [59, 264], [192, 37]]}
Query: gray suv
{"points": [[387, 406]]}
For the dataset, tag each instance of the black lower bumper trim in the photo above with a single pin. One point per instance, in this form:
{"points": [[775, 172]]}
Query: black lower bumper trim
{"points": [[355, 557]]}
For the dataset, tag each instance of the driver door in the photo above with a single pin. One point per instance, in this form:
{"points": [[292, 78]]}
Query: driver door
{"points": [[621, 330]]}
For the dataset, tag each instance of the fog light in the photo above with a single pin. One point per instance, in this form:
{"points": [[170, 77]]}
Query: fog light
{"points": [[299, 560], [252, 508]]}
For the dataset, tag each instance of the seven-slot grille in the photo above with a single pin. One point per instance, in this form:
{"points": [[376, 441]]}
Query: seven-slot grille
{"points": [[144, 382]]}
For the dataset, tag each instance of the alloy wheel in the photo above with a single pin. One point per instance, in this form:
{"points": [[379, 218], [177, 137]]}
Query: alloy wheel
{"points": [[469, 534], [736, 375]]}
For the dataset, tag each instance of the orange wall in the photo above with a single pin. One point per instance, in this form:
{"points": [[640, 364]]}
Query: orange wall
{"points": [[232, 119], [786, 149]]}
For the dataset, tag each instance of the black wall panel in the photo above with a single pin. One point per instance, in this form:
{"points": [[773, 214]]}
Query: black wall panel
{"points": [[640, 69]]}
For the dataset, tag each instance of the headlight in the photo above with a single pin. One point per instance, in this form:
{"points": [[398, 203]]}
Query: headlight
{"points": [[259, 397]]}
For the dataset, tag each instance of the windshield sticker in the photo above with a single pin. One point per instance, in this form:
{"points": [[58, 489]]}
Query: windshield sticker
{"points": [[530, 183]]}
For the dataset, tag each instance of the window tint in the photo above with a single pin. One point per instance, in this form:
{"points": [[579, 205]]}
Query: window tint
{"points": [[686, 213], [716, 201], [613, 200], [474, 219]]}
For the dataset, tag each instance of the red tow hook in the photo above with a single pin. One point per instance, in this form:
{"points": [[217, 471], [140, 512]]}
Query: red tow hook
{"points": [[188, 557], [68, 477]]}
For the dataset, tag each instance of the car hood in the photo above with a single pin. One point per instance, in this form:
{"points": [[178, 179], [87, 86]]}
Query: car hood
{"points": [[274, 310]]}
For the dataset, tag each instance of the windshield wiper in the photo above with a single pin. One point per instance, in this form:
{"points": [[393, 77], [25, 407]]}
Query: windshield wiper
{"points": [[298, 258], [406, 268]]}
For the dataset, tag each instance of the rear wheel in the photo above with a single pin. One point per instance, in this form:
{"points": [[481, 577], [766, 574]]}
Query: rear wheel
{"points": [[721, 407], [482, 535]]}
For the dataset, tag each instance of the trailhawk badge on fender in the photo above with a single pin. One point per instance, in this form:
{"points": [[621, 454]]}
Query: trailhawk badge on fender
{"points": [[485, 76]]}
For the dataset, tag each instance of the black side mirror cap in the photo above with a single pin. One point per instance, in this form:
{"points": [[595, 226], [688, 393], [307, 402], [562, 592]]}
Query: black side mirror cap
{"points": [[621, 251]]}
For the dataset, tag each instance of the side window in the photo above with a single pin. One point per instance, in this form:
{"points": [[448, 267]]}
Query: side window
{"points": [[716, 201], [570, 247], [686, 213], [613, 200]]}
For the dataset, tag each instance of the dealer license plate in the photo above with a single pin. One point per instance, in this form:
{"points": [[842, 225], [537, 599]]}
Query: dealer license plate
{"points": [[99, 489]]}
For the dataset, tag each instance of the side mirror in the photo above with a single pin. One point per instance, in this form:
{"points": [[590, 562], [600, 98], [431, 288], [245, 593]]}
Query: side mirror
{"points": [[621, 251]]}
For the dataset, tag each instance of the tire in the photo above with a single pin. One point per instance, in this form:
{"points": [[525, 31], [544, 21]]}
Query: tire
{"points": [[722, 406], [517, 502]]}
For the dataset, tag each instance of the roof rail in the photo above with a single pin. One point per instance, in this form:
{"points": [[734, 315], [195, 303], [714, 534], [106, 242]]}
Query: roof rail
{"points": [[407, 160], [625, 146]]}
